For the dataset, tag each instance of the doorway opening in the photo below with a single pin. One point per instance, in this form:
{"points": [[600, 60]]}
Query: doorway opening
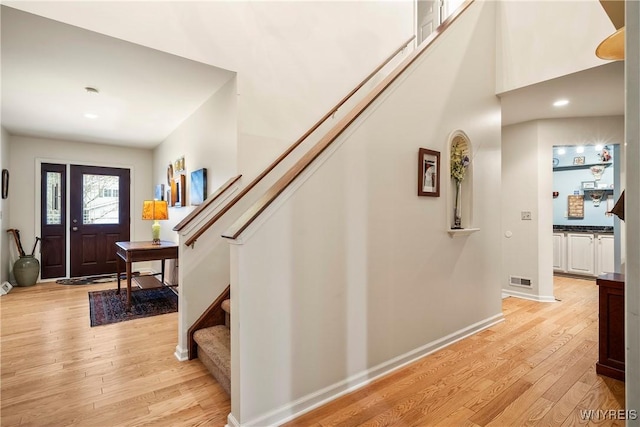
{"points": [[431, 13], [585, 187]]}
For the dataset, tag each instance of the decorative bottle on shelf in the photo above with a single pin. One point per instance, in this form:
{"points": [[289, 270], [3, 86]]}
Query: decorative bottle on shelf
{"points": [[460, 161], [26, 270], [457, 214]]}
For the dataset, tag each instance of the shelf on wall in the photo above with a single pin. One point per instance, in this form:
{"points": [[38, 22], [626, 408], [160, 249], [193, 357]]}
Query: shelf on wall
{"points": [[597, 189], [461, 232], [574, 167]]}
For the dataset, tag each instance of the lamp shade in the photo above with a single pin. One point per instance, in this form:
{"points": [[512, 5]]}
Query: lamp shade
{"points": [[612, 48], [155, 210]]}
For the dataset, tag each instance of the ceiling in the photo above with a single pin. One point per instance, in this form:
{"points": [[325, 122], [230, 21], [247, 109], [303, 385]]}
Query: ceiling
{"points": [[144, 94], [593, 92]]}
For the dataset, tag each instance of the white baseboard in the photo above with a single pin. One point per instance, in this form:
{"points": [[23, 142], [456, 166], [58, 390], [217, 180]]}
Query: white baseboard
{"points": [[231, 421], [538, 298], [182, 354], [332, 392]]}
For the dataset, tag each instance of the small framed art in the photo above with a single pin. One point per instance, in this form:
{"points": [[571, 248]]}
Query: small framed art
{"points": [[198, 189], [181, 188], [5, 183], [428, 173], [159, 195]]}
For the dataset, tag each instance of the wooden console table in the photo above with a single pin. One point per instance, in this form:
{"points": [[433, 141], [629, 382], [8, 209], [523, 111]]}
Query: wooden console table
{"points": [[611, 348], [130, 252]]}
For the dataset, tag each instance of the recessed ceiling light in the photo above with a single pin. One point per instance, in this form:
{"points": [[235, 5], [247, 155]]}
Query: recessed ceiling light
{"points": [[561, 103], [580, 149], [561, 151], [91, 115]]}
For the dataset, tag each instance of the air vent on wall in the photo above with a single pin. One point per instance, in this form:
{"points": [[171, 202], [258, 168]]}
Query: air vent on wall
{"points": [[519, 281]]}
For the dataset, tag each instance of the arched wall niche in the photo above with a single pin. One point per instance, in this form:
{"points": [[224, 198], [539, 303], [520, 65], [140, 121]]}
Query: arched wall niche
{"points": [[460, 146]]}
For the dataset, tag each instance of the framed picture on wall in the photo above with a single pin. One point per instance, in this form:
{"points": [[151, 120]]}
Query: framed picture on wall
{"points": [[198, 189], [576, 207], [428, 173], [174, 194], [159, 192], [181, 187], [5, 183]]}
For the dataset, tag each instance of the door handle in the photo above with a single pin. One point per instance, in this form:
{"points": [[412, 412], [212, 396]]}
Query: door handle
{"points": [[74, 228]]}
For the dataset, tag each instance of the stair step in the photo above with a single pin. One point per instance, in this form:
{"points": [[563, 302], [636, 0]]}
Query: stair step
{"points": [[214, 351], [226, 305]]}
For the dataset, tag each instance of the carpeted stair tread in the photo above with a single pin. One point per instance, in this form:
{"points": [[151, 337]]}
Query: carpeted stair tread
{"points": [[226, 305], [214, 351]]}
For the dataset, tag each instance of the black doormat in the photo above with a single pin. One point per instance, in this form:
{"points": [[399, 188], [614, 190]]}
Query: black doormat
{"points": [[92, 280], [109, 307]]}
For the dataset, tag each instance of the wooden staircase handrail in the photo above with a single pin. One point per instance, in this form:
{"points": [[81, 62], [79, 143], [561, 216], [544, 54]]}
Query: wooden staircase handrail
{"points": [[276, 189], [224, 187], [289, 150]]}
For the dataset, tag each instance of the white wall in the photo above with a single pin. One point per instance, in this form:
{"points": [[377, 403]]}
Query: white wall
{"points": [[4, 209], [24, 154], [566, 36], [349, 273], [527, 177], [520, 181], [632, 201], [294, 60], [207, 139]]}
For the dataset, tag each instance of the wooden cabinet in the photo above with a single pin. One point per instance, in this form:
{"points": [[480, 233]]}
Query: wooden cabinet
{"points": [[611, 348], [559, 252], [605, 260], [580, 253]]}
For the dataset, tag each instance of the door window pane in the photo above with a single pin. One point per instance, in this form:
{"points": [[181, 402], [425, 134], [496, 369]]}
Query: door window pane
{"points": [[54, 198], [100, 203]]}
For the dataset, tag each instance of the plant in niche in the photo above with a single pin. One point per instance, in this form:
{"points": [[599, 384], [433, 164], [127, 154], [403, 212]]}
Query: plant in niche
{"points": [[459, 163]]}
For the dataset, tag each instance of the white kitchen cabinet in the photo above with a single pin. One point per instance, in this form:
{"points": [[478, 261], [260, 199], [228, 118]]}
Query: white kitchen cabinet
{"points": [[605, 259], [580, 253], [559, 252]]}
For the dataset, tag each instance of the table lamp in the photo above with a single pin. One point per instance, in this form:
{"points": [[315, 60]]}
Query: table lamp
{"points": [[155, 210]]}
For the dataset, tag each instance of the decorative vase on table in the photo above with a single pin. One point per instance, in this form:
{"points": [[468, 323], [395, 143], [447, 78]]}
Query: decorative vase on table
{"points": [[26, 270]]}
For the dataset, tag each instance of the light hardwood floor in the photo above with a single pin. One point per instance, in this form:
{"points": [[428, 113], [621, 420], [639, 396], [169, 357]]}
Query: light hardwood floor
{"points": [[536, 368], [59, 371]]}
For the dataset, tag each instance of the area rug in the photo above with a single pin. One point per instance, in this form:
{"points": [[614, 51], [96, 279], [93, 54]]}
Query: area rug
{"points": [[92, 280], [107, 307]]}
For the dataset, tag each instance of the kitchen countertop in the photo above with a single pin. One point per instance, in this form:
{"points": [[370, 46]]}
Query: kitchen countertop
{"points": [[582, 229]]}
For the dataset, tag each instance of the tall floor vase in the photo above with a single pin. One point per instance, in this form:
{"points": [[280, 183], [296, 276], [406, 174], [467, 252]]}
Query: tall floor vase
{"points": [[26, 270], [457, 210]]}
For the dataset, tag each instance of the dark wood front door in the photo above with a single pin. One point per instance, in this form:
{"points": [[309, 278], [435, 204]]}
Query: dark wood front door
{"points": [[53, 214], [99, 217]]}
